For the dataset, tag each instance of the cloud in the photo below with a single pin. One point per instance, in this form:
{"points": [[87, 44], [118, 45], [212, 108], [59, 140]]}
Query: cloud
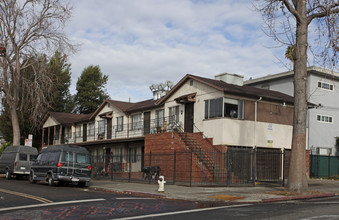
{"points": [[138, 43]]}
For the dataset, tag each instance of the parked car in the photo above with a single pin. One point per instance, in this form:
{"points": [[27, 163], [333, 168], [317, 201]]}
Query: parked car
{"points": [[17, 160], [62, 164]]}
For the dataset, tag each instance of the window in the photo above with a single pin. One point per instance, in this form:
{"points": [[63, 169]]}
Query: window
{"points": [[68, 132], [326, 86], [120, 123], [82, 158], [67, 157], [173, 114], [136, 122], [101, 127], [160, 117], [78, 131], [23, 157], [223, 107], [325, 119], [133, 155], [57, 132], [91, 129]]}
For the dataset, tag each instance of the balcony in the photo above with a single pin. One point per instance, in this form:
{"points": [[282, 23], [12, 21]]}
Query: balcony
{"points": [[116, 132]]}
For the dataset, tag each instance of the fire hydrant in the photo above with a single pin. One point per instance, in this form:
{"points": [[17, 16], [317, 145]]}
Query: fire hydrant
{"points": [[161, 183]]}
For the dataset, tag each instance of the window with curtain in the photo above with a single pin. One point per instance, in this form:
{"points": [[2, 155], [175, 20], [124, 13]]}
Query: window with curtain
{"points": [[136, 122], [91, 129], [160, 114], [120, 123]]}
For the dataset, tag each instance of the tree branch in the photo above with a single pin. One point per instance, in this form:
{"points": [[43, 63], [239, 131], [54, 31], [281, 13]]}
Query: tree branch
{"points": [[332, 9], [291, 9]]}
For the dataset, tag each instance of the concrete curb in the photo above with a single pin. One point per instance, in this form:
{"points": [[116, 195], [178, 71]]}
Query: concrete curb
{"points": [[302, 197]]}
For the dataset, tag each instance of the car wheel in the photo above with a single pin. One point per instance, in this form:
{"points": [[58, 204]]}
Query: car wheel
{"points": [[50, 180], [8, 175], [31, 178]]}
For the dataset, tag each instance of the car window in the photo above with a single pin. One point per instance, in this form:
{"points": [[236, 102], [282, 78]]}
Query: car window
{"points": [[53, 157], [32, 157], [82, 158], [67, 157], [43, 157], [23, 157]]}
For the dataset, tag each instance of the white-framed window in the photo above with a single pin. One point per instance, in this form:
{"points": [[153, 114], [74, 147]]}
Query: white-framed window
{"points": [[324, 85], [325, 119], [120, 123], [101, 127], [224, 107], [78, 131], [173, 113], [160, 114], [136, 122], [91, 130]]}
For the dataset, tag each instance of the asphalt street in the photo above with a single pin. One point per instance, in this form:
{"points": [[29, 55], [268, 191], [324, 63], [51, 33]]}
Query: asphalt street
{"points": [[23, 200]]}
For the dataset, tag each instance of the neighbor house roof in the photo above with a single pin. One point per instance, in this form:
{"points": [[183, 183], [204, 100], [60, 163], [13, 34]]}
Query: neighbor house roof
{"points": [[68, 118], [310, 70], [247, 91]]}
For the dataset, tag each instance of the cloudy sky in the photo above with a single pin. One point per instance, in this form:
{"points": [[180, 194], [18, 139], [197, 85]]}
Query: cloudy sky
{"points": [[142, 42]]}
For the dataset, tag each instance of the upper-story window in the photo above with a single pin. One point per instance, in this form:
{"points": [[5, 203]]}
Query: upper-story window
{"points": [[173, 113], [136, 122], [223, 107], [327, 86], [160, 114], [120, 123], [325, 119], [91, 129], [101, 127], [78, 131]]}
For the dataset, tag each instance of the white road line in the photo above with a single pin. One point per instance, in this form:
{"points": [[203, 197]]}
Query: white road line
{"points": [[131, 198], [183, 212], [50, 204]]}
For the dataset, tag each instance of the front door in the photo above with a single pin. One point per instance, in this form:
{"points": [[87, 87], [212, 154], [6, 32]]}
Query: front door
{"points": [[147, 122], [189, 119]]}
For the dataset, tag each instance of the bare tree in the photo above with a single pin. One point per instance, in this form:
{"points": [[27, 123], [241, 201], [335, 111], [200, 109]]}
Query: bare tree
{"points": [[29, 29], [289, 23]]}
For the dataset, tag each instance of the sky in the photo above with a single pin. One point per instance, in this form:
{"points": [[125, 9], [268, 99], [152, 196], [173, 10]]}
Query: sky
{"points": [[138, 43]]}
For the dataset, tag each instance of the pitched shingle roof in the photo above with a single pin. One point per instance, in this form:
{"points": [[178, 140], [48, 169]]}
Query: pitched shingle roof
{"points": [[68, 118], [247, 91]]}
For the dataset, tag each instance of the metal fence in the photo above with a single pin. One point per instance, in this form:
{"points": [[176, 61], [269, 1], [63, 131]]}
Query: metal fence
{"points": [[324, 166], [236, 166]]}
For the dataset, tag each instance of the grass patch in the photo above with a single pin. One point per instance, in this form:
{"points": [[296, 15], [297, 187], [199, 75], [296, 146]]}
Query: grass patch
{"points": [[227, 197]]}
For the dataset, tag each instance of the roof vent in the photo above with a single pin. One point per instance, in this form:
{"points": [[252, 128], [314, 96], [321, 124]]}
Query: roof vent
{"points": [[231, 78]]}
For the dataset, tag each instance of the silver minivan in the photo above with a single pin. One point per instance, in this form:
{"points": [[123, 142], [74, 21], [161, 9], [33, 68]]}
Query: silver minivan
{"points": [[17, 160]]}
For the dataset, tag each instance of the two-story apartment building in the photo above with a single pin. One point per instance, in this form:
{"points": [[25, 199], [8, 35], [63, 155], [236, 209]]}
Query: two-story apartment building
{"points": [[222, 110], [322, 90]]}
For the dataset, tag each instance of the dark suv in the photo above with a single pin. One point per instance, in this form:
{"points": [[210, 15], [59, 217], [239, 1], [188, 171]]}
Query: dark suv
{"points": [[64, 163]]}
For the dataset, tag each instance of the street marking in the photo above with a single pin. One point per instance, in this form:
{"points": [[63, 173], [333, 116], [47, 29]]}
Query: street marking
{"points": [[40, 199], [126, 198], [50, 204], [184, 212]]}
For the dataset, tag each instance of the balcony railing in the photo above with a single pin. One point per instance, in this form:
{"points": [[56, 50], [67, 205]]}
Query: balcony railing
{"points": [[123, 131]]}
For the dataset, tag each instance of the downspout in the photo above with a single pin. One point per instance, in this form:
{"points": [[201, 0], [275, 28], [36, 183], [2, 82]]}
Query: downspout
{"points": [[255, 122], [254, 168]]}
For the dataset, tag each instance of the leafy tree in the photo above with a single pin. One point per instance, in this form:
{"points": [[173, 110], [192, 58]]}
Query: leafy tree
{"points": [[90, 90], [61, 70], [28, 29], [289, 23]]}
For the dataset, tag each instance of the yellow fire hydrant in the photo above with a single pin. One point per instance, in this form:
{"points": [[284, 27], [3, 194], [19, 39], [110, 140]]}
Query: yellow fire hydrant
{"points": [[161, 183]]}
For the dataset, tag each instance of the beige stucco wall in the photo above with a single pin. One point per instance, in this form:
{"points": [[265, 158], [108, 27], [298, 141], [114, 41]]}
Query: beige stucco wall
{"points": [[235, 132]]}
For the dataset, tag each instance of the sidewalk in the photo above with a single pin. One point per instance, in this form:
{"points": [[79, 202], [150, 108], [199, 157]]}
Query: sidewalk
{"points": [[317, 188]]}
